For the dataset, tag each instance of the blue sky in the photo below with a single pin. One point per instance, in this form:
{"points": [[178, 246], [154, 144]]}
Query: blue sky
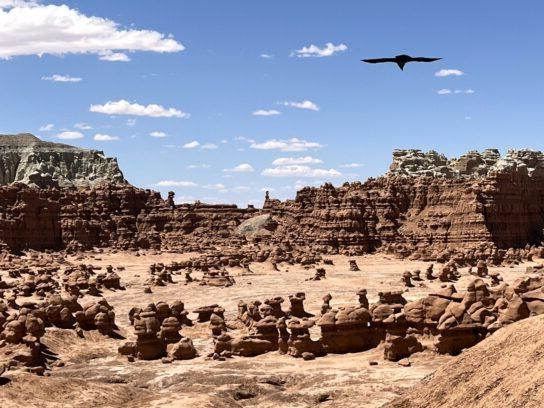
{"points": [[211, 65]]}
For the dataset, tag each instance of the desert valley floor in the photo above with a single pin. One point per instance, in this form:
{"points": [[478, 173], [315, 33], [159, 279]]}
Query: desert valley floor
{"points": [[92, 373]]}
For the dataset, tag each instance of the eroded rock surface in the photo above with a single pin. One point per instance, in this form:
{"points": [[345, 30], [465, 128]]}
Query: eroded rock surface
{"points": [[26, 159]]}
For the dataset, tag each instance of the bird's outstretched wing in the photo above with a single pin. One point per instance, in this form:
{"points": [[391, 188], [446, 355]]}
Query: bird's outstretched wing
{"points": [[379, 60], [425, 59]]}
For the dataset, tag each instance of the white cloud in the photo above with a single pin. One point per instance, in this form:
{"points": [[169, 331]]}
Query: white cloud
{"points": [[269, 112], [35, 29], [191, 145], [314, 51], [105, 138], [241, 168], [198, 166], [174, 183], [209, 146], [300, 171], [244, 139], [446, 91], [218, 186], [157, 133], [288, 145], [61, 78], [309, 105], [448, 72], [47, 128], [70, 135], [282, 161], [463, 91], [114, 56], [266, 56], [350, 165], [131, 122], [123, 107], [83, 126]]}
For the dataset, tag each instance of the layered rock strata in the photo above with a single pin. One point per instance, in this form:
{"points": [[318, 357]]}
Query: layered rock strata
{"points": [[26, 159], [480, 198]]}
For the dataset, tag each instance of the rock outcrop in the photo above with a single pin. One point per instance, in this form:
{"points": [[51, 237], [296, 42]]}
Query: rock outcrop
{"points": [[481, 203], [504, 370], [26, 159]]}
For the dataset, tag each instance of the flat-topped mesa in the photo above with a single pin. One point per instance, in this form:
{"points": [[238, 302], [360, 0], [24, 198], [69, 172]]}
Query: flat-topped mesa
{"points": [[26, 159], [414, 163]]}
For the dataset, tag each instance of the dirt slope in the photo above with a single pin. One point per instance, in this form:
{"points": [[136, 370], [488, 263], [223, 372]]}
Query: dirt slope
{"points": [[505, 370]]}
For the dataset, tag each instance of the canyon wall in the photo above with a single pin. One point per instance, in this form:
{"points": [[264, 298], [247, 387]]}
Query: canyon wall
{"points": [[425, 200], [114, 215]]}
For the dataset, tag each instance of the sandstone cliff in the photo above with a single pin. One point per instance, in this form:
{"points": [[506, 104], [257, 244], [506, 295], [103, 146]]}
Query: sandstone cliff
{"points": [[479, 198], [26, 159]]}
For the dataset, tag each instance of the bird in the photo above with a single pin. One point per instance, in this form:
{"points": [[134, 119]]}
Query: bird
{"points": [[400, 60]]}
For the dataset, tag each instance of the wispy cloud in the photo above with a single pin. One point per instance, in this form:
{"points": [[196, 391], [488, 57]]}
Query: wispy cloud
{"points": [[111, 56], [464, 91], [449, 72], [241, 168], [314, 51], [263, 112], [209, 146], [217, 186], [266, 56], [70, 135], [124, 107], [191, 145], [157, 134], [198, 166], [99, 137], [175, 183], [61, 78], [282, 161], [47, 128], [83, 126], [308, 105], [286, 145], [350, 165], [300, 171], [36, 29], [446, 91], [191, 184]]}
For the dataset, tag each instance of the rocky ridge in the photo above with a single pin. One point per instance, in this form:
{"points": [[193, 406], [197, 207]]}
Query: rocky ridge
{"points": [[498, 203], [414, 163], [26, 159]]}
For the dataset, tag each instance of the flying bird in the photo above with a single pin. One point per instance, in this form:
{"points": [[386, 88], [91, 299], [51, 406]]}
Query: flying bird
{"points": [[400, 60]]}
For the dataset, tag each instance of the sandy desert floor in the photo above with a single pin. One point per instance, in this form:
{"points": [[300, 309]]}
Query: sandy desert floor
{"points": [[95, 375]]}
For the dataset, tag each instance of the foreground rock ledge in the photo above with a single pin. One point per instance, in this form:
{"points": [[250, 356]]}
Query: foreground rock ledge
{"points": [[505, 370]]}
